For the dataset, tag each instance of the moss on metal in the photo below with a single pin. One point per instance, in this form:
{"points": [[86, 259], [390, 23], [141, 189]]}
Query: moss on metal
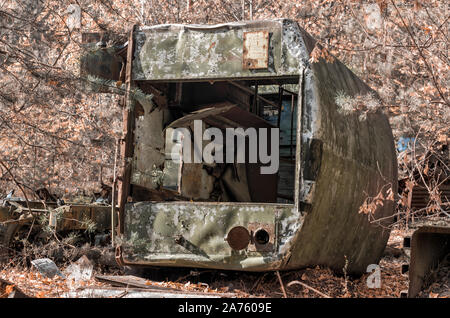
{"points": [[194, 233], [356, 159]]}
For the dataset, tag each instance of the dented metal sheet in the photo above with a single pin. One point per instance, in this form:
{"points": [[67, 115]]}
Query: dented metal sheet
{"points": [[430, 244], [224, 115], [256, 50], [64, 218], [190, 52], [76, 217], [117, 292], [339, 158], [175, 233]]}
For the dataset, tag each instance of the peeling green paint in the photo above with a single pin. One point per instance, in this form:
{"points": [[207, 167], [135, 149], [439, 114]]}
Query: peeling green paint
{"points": [[356, 159], [177, 52], [151, 230]]}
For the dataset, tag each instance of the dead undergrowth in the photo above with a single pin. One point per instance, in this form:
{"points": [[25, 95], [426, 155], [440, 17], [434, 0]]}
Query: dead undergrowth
{"points": [[306, 283]]}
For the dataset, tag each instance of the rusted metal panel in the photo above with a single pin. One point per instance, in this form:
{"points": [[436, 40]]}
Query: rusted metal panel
{"points": [[69, 217], [429, 245], [194, 234], [14, 291], [255, 50], [238, 238], [339, 159], [126, 292], [419, 197], [194, 52], [130, 281], [66, 217], [77, 217], [103, 63], [263, 237], [126, 149], [251, 186], [223, 115]]}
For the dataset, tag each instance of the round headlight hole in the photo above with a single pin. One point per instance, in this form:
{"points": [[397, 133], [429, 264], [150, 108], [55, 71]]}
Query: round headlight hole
{"points": [[261, 237]]}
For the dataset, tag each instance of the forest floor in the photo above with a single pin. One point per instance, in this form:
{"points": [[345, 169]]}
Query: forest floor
{"points": [[306, 283]]}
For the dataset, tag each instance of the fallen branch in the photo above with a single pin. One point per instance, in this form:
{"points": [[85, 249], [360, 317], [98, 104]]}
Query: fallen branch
{"points": [[281, 284], [258, 281], [294, 282]]}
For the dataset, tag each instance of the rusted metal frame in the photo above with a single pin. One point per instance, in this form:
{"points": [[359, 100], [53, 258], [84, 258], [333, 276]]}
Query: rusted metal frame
{"points": [[408, 205], [126, 148], [262, 80], [280, 101], [249, 60], [298, 177], [292, 125], [113, 195], [141, 284], [429, 245], [285, 196], [280, 104], [298, 150], [130, 281], [252, 91], [255, 109], [290, 92]]}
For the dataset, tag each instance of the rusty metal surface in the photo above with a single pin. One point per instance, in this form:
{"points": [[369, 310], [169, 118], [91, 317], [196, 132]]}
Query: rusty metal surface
{"points": [[238, 238], [260, 246], [75, 217], [356, 158], [124, 292], [223, 115], [255, 52], [194, 52], [126, 147], [65, 218], [259, 187], [420, 197], [141, 287], [129, 281], [101, 62], [15, 291], [153, 231], [429, 245]]}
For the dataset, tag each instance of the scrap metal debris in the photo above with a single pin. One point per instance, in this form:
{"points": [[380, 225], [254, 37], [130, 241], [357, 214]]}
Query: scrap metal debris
{"points": [[47, 267], [9, 290], [150, 288], [79, 271], [118, 292], [430, 249]]}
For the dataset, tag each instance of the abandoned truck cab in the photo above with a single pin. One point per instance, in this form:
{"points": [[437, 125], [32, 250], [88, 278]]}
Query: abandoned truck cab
{"points": [[239, 153]]}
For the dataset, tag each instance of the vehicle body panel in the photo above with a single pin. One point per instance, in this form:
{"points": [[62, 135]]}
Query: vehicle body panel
{"points": [[341, 159]]}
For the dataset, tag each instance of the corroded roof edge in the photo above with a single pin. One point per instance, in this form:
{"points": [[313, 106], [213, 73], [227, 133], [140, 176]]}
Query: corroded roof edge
{"points": [[230, 25]]}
